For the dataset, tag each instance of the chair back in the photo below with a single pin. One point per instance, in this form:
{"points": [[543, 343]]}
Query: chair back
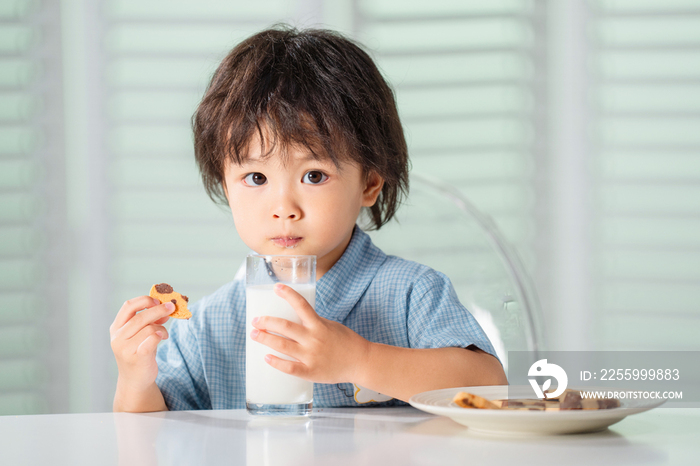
{"points": [[439, 227]]}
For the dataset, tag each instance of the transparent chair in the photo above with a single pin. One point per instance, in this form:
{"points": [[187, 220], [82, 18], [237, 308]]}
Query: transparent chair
{"points": [[438, 227]]}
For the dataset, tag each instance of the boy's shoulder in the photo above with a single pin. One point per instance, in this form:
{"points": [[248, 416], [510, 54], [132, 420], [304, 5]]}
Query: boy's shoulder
{"points": [[403, 271], [396, 272], [396, 264]]}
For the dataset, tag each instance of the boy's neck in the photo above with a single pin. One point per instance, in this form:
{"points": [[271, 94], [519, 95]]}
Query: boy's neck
{"points": [[329, 260]]}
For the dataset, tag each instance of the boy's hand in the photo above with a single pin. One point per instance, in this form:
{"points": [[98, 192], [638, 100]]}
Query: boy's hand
{"points": [[326, 351], [135, 336]]}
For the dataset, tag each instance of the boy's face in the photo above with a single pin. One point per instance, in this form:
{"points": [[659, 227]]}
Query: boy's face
{"points": [[302, 207]]}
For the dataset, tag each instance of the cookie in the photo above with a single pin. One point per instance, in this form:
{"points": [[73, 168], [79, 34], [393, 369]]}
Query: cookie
{"points": [[529, 404], [164, 293], [467, 400], [569, 400]]}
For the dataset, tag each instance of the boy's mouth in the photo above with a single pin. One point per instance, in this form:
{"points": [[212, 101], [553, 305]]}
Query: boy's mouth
{"points": [[287, 241]]}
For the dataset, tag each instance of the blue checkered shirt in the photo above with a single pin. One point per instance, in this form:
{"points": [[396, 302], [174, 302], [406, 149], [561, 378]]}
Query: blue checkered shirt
{"points": [[385, 299]]}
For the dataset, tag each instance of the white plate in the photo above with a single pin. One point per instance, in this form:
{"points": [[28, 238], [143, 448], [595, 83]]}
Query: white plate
{"points": [[524, 422]]}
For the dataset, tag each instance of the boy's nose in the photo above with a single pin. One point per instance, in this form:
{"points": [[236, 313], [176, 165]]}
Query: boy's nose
{"points": [[290, 216], [287, 211], [284, 204]]}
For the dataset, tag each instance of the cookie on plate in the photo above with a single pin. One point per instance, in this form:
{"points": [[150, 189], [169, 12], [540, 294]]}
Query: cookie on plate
{"points": [[164, 293], [469, 400]]}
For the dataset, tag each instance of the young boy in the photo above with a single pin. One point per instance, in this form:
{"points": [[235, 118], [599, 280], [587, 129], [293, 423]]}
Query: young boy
{"points": [[298, 132]]}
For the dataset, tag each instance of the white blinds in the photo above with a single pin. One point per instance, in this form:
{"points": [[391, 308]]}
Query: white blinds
{"points": [[645, 99], [32, 376], [473, 86], [464, 73]]}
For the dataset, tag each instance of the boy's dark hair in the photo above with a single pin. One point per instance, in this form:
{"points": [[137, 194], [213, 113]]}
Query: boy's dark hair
{"points": [[314, 88]]}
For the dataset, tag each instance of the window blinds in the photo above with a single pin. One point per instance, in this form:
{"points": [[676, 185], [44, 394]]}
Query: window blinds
{"points": [[471, 82], [32, 376], [465, 78], [645, 100]]}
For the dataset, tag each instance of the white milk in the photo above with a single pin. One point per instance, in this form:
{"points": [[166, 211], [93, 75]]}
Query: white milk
{"points": [[264, 383]]}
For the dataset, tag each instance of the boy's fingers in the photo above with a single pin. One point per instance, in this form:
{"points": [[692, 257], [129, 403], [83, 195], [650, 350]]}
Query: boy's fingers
{"points": [[149, 345], [130, 308], [143, 319], [280, 344], [151, 332], [288, 367], [302, 307], [163, 320], [281, 326]]}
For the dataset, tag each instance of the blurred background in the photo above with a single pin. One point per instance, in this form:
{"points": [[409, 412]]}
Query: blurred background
{"points": [[574, 124]]}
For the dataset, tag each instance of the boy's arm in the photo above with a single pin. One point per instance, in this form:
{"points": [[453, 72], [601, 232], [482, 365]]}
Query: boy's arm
{"points": [[404, 372], [329, 352], [135, 333], [150, 374], [145, 401]]}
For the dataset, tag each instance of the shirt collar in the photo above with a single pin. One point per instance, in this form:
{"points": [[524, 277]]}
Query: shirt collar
{"points": [[339, 290]]}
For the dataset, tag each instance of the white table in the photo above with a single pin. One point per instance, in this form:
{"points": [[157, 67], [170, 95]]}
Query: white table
{"points": [[357, 437]]}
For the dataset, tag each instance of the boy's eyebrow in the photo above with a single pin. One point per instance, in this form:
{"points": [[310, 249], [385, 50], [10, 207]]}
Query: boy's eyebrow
{"points": [[308, 158]]}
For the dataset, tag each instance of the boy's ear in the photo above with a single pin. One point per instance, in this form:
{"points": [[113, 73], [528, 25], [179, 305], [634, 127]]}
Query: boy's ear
{"points": [[373, 187]]}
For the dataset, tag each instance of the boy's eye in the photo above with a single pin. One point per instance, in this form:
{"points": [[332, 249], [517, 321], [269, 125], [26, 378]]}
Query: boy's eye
{"points": [[314, 177], [255, 179]]}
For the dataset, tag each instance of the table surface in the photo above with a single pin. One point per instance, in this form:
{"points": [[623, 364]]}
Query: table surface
{"points": [[350, 436]]}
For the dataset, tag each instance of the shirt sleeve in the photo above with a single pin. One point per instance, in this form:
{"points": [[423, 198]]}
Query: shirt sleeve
{"points": [[180, 369], [436, 318]]}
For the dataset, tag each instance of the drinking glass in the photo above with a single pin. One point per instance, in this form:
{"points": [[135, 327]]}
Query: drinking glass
{"points": [[268, 390]]}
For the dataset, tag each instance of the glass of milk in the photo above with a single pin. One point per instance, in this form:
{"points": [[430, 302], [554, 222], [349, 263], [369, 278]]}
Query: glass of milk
{"points": [[268, 390]]}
